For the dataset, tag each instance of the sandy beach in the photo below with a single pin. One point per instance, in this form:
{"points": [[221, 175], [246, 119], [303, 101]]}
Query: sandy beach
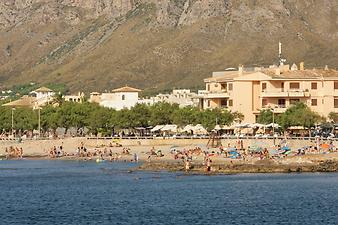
{"points": [[165, 160]]}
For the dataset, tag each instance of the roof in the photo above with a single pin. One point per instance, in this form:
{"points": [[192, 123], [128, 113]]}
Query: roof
{"points": [[315, 74], [223, 76], [43, 89], [126, 89], [24, 101], [304, 74]]}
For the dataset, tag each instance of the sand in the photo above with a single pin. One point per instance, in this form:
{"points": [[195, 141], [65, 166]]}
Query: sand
{"points": [[38, 149]]}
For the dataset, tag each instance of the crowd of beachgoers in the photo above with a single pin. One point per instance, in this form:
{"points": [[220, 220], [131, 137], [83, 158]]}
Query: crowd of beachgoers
{"points": [[187, 156]]}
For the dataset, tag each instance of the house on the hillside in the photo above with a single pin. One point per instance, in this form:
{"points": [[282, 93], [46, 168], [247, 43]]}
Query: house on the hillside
{"points": [[79, 98], [43, 95], [124, 97]]}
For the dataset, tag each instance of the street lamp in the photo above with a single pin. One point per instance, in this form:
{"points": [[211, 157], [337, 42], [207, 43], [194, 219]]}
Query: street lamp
{"points": [[39, 121], [273, 126], [13, 122]]}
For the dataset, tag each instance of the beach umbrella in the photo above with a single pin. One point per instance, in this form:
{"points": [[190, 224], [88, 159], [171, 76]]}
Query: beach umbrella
{"points": [[285, 148], [156, 128]]}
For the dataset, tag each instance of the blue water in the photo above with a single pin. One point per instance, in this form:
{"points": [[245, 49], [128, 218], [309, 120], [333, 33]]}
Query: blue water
{"points": [[69, 192]]}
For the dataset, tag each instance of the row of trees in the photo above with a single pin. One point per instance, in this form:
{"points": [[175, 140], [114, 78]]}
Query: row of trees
{"points": [[98, 118], [296, 115]]}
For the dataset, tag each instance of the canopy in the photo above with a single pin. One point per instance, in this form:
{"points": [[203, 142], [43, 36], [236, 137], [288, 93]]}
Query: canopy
{"points": [[257, 125], [157, 128], [296, 128], [171, 128], [242, 125], [198, 129], [217, 127], [272, 125]]}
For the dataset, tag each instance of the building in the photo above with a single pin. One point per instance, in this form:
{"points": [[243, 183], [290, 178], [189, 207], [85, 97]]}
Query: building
{"points": [[250, 90], [79, 98], [124, 97], [40, 97], [43, 95], [182, 97]]}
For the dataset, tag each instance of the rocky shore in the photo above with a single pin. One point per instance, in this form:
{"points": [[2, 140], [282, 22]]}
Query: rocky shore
{"points": [[264, 166]]}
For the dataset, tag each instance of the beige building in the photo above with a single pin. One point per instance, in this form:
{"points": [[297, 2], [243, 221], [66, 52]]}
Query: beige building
{"points": [[250, 90], [79, 98]]}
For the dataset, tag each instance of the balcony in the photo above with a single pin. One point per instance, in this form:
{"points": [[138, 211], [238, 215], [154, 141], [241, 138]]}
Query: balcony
{"points": [[216, 94], [276, 108], [285, 93]]}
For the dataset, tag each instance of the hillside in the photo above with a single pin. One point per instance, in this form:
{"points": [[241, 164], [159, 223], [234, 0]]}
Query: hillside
{"points": [[154, 45]]}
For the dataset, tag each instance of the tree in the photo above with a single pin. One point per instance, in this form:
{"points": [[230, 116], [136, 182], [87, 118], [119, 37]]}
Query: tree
{"points": [[161, 113], [265, 116], [333, 117], [185, 116], [299, 115]]}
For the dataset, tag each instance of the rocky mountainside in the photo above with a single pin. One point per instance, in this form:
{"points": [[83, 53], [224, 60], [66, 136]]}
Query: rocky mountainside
{"points": [[101, 44]]}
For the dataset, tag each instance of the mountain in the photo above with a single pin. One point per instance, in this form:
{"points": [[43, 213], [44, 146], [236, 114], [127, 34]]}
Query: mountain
{"points": [[97, 45]]}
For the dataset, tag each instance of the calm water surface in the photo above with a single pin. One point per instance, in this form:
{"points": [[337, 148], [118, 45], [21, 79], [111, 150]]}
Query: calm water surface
{"points": [[69, 192]]}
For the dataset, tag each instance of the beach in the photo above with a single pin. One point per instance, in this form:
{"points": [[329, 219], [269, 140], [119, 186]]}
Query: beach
{"points": [[165, 155]]}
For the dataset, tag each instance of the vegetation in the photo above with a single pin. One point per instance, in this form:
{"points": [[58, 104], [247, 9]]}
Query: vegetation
{"points": [[333, 117], [104, 120], [296, 115], [265, 116]]}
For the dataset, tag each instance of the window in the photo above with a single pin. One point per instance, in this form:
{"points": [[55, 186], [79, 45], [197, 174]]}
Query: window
{"points": [[294, 101], [123, 97], [224, 103], [208, 87], [231, 103], [294, 85], [336, 102], [281, 103], [335, 85], [264, 102], [314, 86], [224, 86], [314, 102], [208, 103], [230, 86], [263, 87]]}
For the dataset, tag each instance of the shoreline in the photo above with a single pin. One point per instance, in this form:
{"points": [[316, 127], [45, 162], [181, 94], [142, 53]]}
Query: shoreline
{"points": [[197, 168], [171, 162]]}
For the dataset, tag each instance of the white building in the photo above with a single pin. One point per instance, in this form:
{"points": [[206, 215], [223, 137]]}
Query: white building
{"points": [[43, 95], [182, 97], [125, 97]]}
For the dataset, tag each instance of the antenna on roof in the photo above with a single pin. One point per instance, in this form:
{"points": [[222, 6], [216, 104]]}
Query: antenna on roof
{"points": [[281, 61]]}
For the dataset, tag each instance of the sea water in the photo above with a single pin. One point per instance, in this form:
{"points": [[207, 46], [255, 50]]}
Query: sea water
{"points": [[71, 192]]}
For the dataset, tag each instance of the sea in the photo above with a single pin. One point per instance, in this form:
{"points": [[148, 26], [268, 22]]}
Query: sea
{"points": [[77, 192]]}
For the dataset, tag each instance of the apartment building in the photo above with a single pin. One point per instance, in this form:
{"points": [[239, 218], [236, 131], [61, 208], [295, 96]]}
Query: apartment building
{"points": [[250, 90]]}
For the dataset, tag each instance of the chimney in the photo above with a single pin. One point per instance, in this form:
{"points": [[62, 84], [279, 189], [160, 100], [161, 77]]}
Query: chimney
{"points": [[277, 71], [240, 69], [326, 67], [301, 66], [294, 67]]}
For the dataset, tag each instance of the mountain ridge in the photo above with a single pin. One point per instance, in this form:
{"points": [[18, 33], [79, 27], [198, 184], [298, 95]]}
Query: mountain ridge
{"points": [[153, 45]]}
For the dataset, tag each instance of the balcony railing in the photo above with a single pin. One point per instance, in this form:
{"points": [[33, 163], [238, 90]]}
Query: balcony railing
{"points": [[286, 93], [216, 94]]}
